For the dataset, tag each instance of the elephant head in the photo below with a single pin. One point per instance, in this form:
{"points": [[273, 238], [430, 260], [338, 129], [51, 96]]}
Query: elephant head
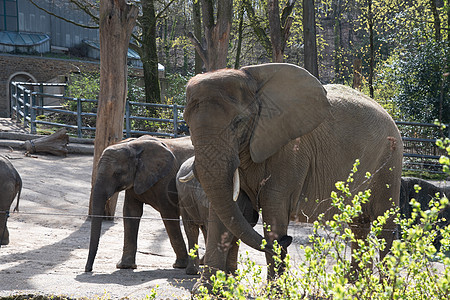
{"points": [[138, 164], [239, 117]]}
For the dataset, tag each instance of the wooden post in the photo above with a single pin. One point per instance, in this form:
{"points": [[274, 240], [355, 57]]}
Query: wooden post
{"points": [[117, 20]]}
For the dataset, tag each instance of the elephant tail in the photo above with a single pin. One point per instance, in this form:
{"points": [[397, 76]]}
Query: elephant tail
{"points": [[19, 191]]}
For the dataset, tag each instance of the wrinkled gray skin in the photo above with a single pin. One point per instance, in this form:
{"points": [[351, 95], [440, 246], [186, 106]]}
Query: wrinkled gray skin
{"points": [[291, 140], [426, 193], [145, 168], [194, 210], [10, 187]]}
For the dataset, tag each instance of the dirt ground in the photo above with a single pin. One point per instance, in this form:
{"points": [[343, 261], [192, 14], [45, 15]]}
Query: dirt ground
{"points": [[49, 239]]}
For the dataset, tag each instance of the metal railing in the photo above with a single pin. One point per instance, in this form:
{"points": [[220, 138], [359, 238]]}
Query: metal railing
{"points": [[27, 105], [420, 150], [419, 142]]}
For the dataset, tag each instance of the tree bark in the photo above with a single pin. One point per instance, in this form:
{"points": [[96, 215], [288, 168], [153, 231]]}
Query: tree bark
{"points": [[217, 34], [198, 33], [370, 21], [273, 12], [117, 20], [260, 32], [309, 32], [237, 62], [357, 76], [436, 21], [149, 52]]}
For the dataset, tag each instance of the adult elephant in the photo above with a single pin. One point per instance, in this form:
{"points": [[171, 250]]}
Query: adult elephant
{"points": [[10, 187], [290, 140], [145, 168]]}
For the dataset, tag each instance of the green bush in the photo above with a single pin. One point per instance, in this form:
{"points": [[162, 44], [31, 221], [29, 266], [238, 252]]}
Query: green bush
{"points": [[413, 269]]}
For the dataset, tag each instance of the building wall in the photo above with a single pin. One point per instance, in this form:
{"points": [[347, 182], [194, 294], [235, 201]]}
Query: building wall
{"points": [[37, 69], [62, 33]]}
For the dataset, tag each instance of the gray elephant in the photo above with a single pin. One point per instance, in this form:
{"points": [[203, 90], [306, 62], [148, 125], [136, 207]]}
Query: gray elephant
{"points": [[290, 140], [426, 193], [145, 168], [10, 187], [194, 210]]}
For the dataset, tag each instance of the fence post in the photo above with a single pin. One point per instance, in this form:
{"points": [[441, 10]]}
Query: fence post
{"points": [[12, 95], [127, 119], [33, 114], [26, 101], [41, 98], [175, 120], [18, 107], [79, 113]]}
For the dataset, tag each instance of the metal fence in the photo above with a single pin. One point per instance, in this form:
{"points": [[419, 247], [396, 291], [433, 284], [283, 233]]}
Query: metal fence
{"points": [[420, 150], [31, 106], [29, 102]]}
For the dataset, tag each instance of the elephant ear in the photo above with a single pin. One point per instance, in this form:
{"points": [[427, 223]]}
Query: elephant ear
{"points": [[292, 103], [154, 162]]}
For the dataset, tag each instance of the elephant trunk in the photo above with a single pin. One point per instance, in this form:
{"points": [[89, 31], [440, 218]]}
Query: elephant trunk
{"points": [[98, 210], [218, 186]]}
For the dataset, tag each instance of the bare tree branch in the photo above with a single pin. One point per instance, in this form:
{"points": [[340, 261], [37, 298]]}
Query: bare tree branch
{"points": [[64, 19], [86, 10], [198, 46]]}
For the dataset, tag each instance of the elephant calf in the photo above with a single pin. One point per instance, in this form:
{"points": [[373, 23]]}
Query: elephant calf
{"points": [[10, 186], [426, 193], [194, 210], [145, 168]]}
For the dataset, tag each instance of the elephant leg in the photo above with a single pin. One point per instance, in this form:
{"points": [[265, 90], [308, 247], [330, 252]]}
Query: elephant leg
{"points": [[218, 244], [277, 221], [232, 257], [4, 233], [192, 232], [171, 221], [360, 228], [205, 235], [132, 212]]}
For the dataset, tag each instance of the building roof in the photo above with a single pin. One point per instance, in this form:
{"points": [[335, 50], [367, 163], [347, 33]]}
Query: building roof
{"points": [[12, 38]]}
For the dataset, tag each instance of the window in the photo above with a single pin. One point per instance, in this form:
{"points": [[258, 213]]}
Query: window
{"points": [[8, 15]]}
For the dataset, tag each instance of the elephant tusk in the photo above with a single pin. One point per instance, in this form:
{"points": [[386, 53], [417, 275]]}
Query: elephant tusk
{"points": [[236, 185], [188, 177]]}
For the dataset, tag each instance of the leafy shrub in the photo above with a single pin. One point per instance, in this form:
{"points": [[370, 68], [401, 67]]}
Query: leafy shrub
{"points": [[413, 269], [176, 87]]}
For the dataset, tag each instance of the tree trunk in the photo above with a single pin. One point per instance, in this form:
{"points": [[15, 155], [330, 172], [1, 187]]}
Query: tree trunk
{"points": [[217, 34], [357, 76], [309, 32], [273, 12], [337, 40], [237, 62], [198, 34], [259, 31], [149, 53], [117, 20], [436, 21], [370, 22]]}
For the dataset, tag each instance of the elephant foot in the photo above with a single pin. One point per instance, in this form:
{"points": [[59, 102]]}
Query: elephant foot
{"points": [[192, 267], [180, 263], [191, 270], [122, 264], [200, 285]]}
